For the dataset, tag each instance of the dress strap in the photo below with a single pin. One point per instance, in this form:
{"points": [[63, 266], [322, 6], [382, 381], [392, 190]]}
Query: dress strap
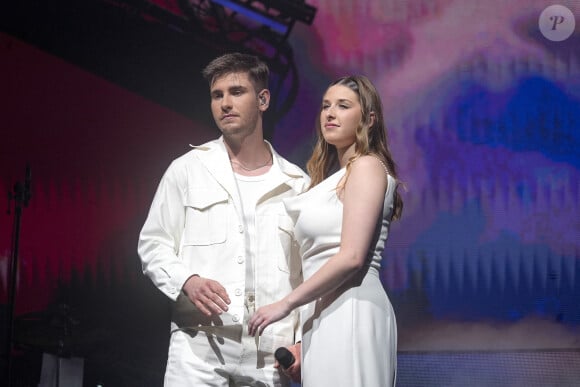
{"points": [[383, 164]]}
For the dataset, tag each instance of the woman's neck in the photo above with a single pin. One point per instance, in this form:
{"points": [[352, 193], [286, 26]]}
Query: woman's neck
{"points": [[345, 154]]}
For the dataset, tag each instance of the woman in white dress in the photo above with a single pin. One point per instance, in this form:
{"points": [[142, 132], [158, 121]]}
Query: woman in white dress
{"points": [[349, 332]]}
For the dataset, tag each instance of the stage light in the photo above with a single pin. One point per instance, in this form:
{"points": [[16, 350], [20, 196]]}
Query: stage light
{"points": [[279, 15]]}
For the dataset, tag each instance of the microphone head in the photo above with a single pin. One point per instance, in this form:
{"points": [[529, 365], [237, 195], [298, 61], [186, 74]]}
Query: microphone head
{"points": [[284, 357]]}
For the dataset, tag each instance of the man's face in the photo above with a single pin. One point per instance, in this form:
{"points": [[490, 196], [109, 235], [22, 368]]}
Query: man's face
{"points": [[235, 104]]}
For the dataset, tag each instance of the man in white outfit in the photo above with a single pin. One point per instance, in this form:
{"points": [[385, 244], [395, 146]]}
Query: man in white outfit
{"points": [[217, 240]]}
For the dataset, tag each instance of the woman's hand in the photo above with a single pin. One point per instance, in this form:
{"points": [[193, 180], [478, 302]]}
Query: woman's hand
{"points": [[267, 315], [294, 371]]}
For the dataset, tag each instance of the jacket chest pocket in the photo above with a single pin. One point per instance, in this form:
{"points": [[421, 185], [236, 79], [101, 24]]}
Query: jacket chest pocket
{"points": [[289, 261], [205, 217]]}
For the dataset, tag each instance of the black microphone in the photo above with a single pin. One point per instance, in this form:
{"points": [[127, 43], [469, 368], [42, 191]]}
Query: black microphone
{"points": [[284, 357]]}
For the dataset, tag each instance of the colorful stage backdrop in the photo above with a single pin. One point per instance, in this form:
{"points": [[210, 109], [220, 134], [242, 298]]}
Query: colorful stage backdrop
{"points": [[482, 101]]}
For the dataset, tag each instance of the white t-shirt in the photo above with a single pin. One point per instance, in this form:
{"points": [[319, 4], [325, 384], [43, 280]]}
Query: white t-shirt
{"points": [[251, 189]]}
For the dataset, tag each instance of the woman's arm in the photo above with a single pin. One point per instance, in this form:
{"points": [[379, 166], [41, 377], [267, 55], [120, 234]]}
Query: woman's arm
{"points": [[363, 200]]}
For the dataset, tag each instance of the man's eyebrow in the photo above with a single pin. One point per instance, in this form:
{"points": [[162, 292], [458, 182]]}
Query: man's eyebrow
{"points": [[230, 89], [237, 88]]}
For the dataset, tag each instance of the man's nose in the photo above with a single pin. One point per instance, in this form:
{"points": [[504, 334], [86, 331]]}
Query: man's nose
{"points": [[226, 102]]}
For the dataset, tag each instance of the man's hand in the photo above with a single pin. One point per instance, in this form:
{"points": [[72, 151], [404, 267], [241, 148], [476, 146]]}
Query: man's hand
{"points": [[209, 296], [294, 371]]}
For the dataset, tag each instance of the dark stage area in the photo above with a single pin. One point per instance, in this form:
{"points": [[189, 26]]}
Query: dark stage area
{"points": [[119, 331]]}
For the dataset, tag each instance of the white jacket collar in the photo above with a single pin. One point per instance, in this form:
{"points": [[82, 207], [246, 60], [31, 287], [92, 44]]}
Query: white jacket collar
{"points": [[215, 154]]}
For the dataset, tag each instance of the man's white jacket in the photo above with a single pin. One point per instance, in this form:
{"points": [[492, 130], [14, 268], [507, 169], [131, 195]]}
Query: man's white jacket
{"points": [[195, 226]]}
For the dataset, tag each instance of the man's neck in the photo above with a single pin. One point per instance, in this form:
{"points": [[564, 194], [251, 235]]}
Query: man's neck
{"points": [[251, 157]]}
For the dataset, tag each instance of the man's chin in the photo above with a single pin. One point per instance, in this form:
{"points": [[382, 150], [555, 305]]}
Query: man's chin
{"points": [[230, 132], [228, 129]]}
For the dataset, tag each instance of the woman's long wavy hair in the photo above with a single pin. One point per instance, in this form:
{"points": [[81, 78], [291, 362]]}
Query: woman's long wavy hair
{"points": [[371, 138]]}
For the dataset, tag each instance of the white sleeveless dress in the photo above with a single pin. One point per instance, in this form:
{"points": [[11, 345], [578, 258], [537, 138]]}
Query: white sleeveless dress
{"points": [[349, 337]]}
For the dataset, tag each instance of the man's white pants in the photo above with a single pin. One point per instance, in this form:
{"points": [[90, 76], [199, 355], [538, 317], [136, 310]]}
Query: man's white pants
{"points": [[220, 357]]}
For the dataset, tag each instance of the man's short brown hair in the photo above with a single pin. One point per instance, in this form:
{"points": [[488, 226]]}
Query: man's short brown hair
{"points": [[235, 62]]}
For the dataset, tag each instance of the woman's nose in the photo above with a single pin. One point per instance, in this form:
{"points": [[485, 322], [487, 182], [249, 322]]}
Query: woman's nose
{"points": [[329, 112]]}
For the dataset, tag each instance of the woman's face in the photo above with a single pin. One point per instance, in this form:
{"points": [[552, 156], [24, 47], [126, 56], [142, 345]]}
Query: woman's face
{"points": [[340, 116]]}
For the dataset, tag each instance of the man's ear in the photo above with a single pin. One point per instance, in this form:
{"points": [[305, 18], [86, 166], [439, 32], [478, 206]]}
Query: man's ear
{"points": [[263, 99]]}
